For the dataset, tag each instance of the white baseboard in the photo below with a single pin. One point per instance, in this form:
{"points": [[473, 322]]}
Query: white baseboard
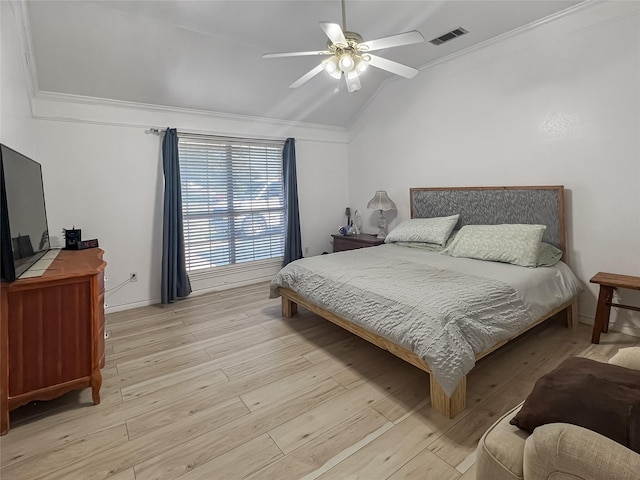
{"points": [[129, 306], [195, 293], [230, 285], [615, 326]]}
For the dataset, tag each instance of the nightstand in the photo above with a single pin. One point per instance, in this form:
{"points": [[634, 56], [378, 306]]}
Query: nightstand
{"points": [[351, 242]]}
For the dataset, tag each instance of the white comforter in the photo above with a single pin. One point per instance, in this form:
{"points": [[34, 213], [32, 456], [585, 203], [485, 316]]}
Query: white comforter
{"points": [[445, 309]]}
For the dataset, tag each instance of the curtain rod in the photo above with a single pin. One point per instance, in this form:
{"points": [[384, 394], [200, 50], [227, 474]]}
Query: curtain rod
{"points": [[158, 131]]}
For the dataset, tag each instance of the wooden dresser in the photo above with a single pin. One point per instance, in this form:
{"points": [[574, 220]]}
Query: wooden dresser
{"points": [[52, 332]]}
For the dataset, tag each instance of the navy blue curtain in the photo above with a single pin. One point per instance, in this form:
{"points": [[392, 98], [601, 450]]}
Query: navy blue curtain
{"points": [[175, 281], [292, 238]]}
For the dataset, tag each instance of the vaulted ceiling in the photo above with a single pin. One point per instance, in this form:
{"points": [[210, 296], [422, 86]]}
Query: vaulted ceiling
{"points": [[207, 55]]}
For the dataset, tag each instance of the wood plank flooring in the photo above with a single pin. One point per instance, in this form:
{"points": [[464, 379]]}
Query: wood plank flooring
{"points": [[219, 386]]}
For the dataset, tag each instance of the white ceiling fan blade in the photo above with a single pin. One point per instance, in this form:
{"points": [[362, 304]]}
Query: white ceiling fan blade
{"points": [[296, 54], [334, 32], [398, 40], [353, 83], [393, 67], [307, 76]]}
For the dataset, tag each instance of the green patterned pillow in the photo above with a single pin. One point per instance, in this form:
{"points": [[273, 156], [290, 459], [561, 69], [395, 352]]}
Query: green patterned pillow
{"points": [[548, 255], [426, 230], [517, 244]]}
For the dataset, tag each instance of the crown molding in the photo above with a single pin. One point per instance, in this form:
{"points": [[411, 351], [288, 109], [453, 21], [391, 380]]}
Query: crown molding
{"points": [[44, 96], [501, 39], [583, 6], [38, 98], [60, 107], [513, 33]]}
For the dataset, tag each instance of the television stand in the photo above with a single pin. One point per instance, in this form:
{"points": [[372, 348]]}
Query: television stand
{"points": [[52, 332]]}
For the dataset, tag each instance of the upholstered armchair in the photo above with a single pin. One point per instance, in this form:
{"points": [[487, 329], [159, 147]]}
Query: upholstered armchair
{"points": [[558, 451]]}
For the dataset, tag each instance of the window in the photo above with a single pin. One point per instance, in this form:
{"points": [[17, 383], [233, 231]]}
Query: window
{"points": [[232, 200]]}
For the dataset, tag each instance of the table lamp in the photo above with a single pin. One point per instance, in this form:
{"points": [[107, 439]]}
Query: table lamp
{"points": [[381, 202]]}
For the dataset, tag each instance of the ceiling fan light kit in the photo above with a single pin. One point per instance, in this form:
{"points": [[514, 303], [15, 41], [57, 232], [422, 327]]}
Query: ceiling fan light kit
{"points": [[349, 57]]}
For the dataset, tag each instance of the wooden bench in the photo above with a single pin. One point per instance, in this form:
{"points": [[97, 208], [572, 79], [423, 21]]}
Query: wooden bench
{"points": [[608, 283]]}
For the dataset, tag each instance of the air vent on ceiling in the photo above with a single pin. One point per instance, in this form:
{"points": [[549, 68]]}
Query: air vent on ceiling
{"points": [[448, 36]]}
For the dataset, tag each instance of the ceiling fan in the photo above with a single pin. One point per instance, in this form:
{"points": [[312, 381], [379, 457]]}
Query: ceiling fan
{"points": [[349, 54]]}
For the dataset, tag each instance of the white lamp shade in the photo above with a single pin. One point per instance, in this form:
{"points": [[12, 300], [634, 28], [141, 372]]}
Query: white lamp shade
{"points": [[346, 62], [361, 65], [330, 64], [381, 201]]}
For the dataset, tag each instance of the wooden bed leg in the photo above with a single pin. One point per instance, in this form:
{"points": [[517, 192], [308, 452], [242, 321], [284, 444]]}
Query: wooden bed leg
{"points": [[572, 315], [448, 406], [289, 308]]}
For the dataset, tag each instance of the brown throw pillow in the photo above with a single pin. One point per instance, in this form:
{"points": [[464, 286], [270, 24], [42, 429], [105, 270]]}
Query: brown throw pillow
{"points": [[598, 396]]}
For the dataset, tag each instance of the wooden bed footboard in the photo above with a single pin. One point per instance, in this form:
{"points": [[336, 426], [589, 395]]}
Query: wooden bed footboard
{"points": [[448, 406]]}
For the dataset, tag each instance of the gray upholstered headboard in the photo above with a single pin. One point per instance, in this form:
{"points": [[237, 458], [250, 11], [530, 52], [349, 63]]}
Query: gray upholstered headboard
{"points": [[496, 205]]}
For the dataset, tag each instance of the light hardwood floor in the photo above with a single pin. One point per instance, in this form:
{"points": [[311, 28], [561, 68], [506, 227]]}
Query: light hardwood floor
{"points": [[220, 386]]}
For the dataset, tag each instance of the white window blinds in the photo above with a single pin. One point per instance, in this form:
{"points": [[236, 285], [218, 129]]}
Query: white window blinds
{"points": [[232, 200]]}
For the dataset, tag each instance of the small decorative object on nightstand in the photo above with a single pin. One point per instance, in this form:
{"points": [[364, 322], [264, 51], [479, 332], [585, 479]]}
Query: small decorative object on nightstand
{"points": [[357, 222], [351, 242]]}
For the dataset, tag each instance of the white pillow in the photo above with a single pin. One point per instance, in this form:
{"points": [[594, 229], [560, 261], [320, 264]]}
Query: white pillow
{"points": [[427, 230], [518, 244]]}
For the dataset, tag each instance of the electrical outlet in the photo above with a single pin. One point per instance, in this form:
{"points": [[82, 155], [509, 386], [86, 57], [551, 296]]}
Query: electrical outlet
{"points": [[306, 250], [133, 277]]}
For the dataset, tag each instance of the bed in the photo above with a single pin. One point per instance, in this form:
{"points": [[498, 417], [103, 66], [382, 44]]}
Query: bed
{"points": [[441, 313]]}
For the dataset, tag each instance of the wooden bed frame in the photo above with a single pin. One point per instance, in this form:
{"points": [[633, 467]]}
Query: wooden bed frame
{"points": [[539, 205]]}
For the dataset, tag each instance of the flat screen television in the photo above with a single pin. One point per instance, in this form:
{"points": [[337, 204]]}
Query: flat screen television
{"points": [[24, 235]]}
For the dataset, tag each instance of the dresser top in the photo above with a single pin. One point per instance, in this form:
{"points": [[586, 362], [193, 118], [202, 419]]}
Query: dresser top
{"points": [[68, 263]]}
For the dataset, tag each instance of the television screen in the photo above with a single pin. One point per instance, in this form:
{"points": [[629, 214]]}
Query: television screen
{"points": [[25, 234]]}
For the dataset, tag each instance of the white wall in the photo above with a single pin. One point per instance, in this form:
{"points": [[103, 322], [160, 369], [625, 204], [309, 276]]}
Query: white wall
{"points": [[103, 174], [555, 104]]}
